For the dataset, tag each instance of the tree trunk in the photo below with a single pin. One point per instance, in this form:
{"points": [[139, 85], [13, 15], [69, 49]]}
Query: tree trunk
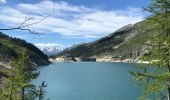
{"points": [[168, 86], [168, 96], [23, 93], [10, 98]]}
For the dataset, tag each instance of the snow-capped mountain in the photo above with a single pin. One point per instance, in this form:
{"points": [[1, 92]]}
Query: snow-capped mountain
{"points": [[50, 48], [51, 51]]}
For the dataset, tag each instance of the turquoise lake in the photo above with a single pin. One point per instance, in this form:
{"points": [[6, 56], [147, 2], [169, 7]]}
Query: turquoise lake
{"points": [[89, 81]]}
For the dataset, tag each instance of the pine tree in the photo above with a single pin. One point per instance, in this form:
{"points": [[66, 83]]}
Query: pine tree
{"points": [[18, 84], [155, 76], [41, 91]]}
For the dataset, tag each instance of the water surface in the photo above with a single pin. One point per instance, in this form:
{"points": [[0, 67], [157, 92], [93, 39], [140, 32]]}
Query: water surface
{"points": [[89, 81]]}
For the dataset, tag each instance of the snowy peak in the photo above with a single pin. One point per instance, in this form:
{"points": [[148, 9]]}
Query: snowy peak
{"points": [[51, 51], [50, 48]]}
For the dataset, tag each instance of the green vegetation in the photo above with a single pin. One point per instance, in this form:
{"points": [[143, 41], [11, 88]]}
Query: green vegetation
{"points": [[123, 43], [11, 48], [155, 76], [17, 83], [17, 79], [41, 91]]}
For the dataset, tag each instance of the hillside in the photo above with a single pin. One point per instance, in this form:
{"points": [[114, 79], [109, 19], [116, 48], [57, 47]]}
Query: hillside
{"points": [[123, 43], [10, 48]]}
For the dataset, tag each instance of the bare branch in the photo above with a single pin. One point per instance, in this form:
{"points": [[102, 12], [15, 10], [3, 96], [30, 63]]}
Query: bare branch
{"points": [[26, 19], [24, 24], [36, 22]]}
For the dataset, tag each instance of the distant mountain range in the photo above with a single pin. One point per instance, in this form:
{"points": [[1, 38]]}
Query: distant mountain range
{"points": [[50, 51], [123, 43], [11, 48]]}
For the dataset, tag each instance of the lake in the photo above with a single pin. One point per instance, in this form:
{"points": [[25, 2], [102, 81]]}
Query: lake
{"points": [[89, 81]]}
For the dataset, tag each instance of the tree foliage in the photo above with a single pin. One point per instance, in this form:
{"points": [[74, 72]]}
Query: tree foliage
{"points": [[155, 76], [42, 91], [18, 80], [18, 83]]}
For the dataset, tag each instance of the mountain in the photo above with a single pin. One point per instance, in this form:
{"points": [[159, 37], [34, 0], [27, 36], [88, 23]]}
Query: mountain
{"points": [[11, 48], [123, 43], [50, 51]]}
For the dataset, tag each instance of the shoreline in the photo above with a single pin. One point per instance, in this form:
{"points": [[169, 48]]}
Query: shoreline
{"points": [[116, 61]]}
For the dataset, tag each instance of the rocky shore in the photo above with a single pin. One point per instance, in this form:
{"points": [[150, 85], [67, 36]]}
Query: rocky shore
{"points": [[97, 59]]}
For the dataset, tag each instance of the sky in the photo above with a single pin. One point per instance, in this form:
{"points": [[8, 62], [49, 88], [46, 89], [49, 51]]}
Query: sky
{"points": [[69, 22]]}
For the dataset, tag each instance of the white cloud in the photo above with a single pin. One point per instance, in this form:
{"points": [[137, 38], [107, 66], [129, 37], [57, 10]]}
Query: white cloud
{"points": [[70, 20], [2, 1], [49, 45]]}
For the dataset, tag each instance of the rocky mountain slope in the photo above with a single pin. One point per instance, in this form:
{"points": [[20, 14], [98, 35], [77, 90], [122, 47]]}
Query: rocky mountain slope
{"points": [[123, 43], [10, 48]]}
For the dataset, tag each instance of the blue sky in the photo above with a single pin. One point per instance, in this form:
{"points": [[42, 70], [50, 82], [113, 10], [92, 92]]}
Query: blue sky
{"points": [[70, 21]]}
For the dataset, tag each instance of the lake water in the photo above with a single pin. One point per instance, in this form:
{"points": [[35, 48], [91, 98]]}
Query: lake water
{"points": [[89, 81]]}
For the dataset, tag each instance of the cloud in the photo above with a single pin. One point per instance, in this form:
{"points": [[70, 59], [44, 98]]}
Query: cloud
{"points": [[49, 45], [2, 1], [70, 20]]}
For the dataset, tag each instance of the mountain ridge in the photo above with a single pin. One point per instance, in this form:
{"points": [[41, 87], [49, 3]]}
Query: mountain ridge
{"points": [[119, 44], [11, 48]]}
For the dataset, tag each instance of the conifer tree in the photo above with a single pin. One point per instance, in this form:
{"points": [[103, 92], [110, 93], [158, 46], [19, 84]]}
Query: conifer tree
{"points": [[155, 76], [18, 84], [41, 91]]}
